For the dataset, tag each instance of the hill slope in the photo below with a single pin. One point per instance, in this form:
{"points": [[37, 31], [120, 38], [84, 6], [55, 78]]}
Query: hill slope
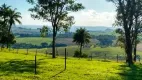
{"points": [[21, 67]]}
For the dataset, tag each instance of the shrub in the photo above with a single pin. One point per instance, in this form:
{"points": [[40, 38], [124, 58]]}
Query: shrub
{"points": [[84, 55], [77, 53]]}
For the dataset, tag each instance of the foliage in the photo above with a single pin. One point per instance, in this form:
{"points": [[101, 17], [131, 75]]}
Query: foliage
{"points": [[105, 40], [81, 37], [8, 17], [128, 16], [84, 55], [44, 31], [29, 45], [77, 53], [56, 12]]}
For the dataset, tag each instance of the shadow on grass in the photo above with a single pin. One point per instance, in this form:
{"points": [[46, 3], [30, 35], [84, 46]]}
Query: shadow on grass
{"points": [[105, 60], [16, 66], [131, 73], [57, 74]]}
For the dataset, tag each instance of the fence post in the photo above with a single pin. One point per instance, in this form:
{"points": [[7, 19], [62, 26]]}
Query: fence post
{"points": [[46, 52], [9, 49], [17, 50], [65, 58], [117, 57], [27, 51], [67, 54], [36, 52], [35, 64], [105, 56]]}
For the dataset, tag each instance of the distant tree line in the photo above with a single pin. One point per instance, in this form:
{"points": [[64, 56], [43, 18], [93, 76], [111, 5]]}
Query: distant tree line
{"points": [[42, 45], [105, 40]]}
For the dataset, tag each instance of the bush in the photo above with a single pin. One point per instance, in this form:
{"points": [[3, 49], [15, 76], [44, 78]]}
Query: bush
{"points": [[77, 53], [84, 55]]}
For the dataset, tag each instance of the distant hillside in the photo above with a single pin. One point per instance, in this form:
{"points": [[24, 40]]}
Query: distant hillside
{"points": [[73, 28], [34, 31]]}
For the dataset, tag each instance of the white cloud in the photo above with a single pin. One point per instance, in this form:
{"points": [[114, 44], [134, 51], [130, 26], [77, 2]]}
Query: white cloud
{"points": [[82, 18], [93, 18], [27, 20]]}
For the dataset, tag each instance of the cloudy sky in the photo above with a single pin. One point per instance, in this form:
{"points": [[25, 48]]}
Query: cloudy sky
{"points": [[96, 13]]}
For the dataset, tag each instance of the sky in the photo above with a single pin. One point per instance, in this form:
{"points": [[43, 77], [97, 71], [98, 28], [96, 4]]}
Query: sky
{"points": [[96, 13]]}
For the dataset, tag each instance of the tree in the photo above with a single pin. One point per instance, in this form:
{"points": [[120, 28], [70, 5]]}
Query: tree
{"points": [[8, 18], [126, 10], [44, 31], [56, 12], [137, 25], [81, 37], [4, 9], [10, 39], [14, 17]]}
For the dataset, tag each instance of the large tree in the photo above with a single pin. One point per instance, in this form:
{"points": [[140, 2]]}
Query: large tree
{"points": [[137, 25], [126, 10], [56, 12], [8, 17], [81, 37]]}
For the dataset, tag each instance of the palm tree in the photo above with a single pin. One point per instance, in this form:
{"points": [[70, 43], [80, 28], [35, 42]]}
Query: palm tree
{"points": [[13, 18], [81, 37]]}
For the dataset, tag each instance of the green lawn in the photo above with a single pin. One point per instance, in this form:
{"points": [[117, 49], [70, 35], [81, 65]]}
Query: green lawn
{"points": [[20, 66], [33, 40]]}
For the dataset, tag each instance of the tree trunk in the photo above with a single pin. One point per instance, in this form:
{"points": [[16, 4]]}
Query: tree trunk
{"points": [[135, 51], [9, 29], [7, 45], [80, 49], [128, 48], [53, 43]]}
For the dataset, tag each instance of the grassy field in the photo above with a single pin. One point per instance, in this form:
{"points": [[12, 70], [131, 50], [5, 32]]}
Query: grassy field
{"points": [[19, 66], [39, 40], [33, 40], [111, 52]]}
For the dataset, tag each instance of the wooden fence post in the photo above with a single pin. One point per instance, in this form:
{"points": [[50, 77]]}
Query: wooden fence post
{"points": [[105, 56], [35, 64], [27, 51], [91, 56], [46, 52], [36, 52], [9, 49], [17, 50], [117, 57], [65, 58]]}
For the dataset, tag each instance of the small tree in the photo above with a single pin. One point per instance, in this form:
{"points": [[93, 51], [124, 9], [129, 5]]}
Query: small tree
{"points": [[44, 31], [81, 37], [56, 12]]}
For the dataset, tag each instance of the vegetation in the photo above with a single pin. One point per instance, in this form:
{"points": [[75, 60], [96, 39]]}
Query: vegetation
{"points": [[20, 66], [56, 12], [81, 37], [99, 58], [128, 13], [44, 31], [8, 17]]}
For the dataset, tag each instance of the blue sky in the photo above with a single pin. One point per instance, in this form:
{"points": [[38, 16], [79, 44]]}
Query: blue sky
{"points": [[96, 13]]}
